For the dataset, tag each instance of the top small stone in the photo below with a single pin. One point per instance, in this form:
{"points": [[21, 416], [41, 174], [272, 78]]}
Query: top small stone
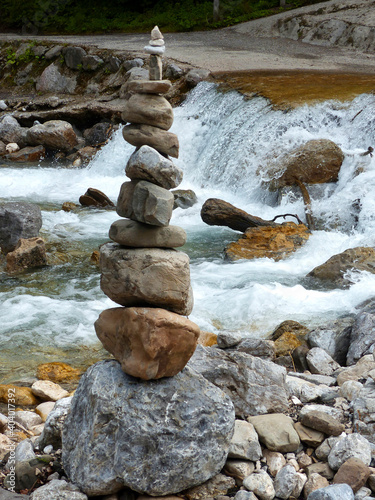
{"points": [[156, 34]]}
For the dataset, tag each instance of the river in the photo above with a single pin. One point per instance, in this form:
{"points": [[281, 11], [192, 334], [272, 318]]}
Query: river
{"points": [[226, 142]]}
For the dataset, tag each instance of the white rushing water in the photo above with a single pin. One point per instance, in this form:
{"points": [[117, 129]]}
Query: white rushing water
{"points": [[225, 143]]}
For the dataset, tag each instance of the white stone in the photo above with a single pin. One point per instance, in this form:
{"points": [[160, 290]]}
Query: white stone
{"points": [[275, 461], [27, 419], [47, 390], [245, 443], [44, 409], [156, 43], [261, 485], [12, 147], [3, 105], [352, 445], [157, 51], [156, 34], [239, 469]]}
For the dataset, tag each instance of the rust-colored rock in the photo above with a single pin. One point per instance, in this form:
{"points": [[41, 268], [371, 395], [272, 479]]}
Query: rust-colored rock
{"points": [[57, 372], [272, 242], [17, 395], [207, 339], [286, 344], [315, 162], [29, 154], [150, 343], [352, 472], [29, 253], [290, 326]]}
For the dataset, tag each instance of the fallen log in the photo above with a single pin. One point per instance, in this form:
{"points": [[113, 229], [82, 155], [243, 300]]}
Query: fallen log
{"points": [[217, 212]]}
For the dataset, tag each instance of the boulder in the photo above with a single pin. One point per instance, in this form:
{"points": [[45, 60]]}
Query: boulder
{"points": [[149, 165], [54, 134], [333, 492], [74, 56], [350, 446], [364, 412], [141, 135], [306, 391], [51, 80], [26, 471], [98, 134], [333, 337], [358, 371], [334, 269], [11, 131], [362, 337], [276, 432], [316, 161], [145, 202], [184, 198], [245, 443], [18, 220], [27, 419], [351, 389], [271, 242], [29, 154], [149, 343], [29, 253], [315, 482], [44, 409], [153, 277], [275, 461], [255, 386], [167, 420], [239, 469], [135, 234], [149, 86], [352, 472], [53, 52], [148, 109]]}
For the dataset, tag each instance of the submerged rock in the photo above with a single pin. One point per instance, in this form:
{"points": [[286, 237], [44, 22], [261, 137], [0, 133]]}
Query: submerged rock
{"points": [[176, 433]]}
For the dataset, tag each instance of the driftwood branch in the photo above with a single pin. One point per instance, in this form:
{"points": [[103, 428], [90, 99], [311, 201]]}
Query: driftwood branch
{"points": [[217, 212], [307, 202], [288, 215]]}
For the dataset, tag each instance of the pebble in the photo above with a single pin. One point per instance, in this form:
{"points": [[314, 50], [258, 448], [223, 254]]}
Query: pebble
{"points": [[261, 485], [47, 390]]}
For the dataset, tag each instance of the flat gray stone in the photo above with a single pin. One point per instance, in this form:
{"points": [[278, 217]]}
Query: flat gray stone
{"points": [[145, 202], [333, 492], [159, 139], [156, 437], [58, 489], [135, 234], [148, 164], [255, 386]]}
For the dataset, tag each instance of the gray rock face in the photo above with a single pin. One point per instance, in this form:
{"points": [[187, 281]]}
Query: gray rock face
{"points": [[155, 277], [53, 427], [135, 234], [334, 338], [147, 164], [254, 385], [8, 495], [59, 490], [18, 220], [333, 492], [148, 109], [91, 62], [362, 338], [51, 80], [321, 362], [352, 445], [156, 437], [145, 202]]}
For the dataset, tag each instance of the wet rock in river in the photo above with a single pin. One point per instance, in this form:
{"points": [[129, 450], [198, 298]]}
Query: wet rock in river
{"points": [[18, 220], [53, 134], [29, 253]]}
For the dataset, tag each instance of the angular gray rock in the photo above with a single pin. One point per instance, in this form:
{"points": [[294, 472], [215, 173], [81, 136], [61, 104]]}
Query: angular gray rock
{"points": [[289, 483], [135, 234], [306, 391], [11, 131], [74, 56], [184, 198], [157, 277], [53, 427], [334, 338], [352, 445], [147, 164], [145, 202], [254, 385], [321, 362], [156, 437], [333, 492], [148, 109], [322, 422], [91, 62], [51, 80], [260, 348], [261, 485], [364, 412], [362, 337], [18, 220], [58, 489]]}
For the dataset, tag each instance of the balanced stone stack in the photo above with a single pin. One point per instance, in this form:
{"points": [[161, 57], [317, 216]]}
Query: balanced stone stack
{"points": [[149, 335]]}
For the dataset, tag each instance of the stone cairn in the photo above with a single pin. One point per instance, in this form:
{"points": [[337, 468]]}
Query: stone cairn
{"points": [[149, 335]]}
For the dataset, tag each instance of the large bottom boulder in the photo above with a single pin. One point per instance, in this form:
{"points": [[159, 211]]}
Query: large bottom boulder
{"points": [[157, 437]]}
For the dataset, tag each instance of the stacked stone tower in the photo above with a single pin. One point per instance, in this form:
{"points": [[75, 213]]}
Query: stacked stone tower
{"points": [[149, 335]]}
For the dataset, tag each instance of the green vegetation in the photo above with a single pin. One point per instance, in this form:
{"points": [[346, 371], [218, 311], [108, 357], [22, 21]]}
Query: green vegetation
{"points": [[98, 16]]}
